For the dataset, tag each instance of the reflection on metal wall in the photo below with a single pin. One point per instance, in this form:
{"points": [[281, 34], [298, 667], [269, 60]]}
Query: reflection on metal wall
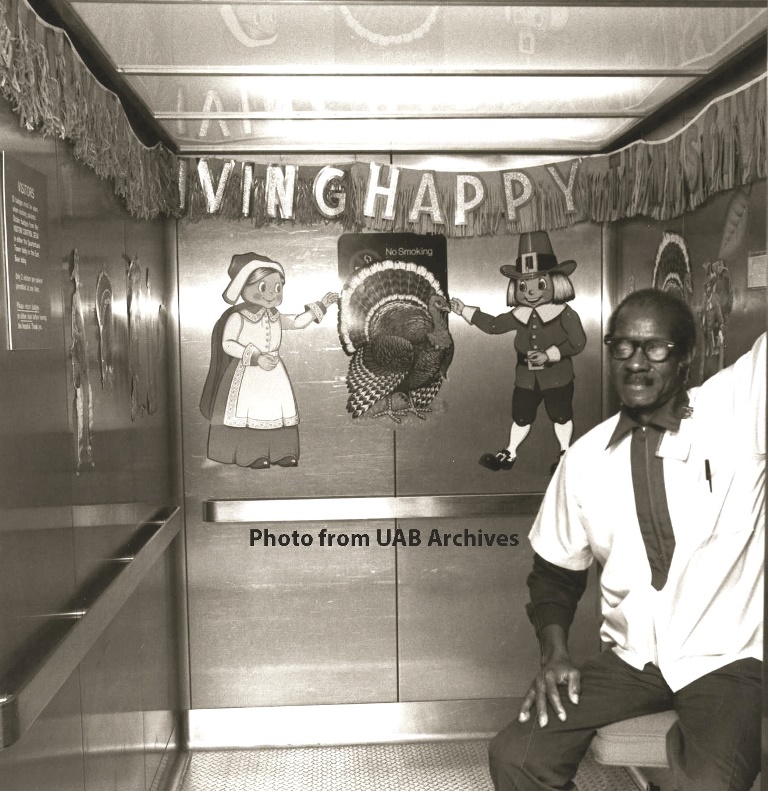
{"points": [[291, 625], [726, 236], [60, 521], [462, 628]]}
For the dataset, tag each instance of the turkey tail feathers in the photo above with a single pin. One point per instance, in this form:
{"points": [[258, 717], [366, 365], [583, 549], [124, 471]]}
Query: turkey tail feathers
{"points": [[366, 388], [374, 287], [422, 397]]}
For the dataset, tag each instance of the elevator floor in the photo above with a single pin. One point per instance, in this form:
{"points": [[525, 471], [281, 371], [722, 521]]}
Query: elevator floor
{"points": [[430, 766]]}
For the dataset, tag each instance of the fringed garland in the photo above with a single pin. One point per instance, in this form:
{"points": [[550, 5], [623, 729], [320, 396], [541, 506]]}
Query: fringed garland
{"points": [[722, 148], [51, 89], [53, 92]]}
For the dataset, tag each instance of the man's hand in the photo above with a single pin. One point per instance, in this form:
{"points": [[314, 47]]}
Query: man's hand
{"points": [[545, 688], [556, 670]]}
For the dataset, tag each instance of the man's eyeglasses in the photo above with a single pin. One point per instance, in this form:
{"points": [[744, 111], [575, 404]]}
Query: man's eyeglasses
{"points": [[654, 349]]}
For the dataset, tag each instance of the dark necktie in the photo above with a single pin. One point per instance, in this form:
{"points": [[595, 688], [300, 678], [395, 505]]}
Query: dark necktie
{"points": [[651, 502]]}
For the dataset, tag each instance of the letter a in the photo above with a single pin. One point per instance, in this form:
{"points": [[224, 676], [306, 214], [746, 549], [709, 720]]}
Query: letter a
{"points": [[427, 186]]}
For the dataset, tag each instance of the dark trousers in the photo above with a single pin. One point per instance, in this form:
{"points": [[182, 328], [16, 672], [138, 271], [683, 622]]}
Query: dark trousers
{"points": [[714, 746]]}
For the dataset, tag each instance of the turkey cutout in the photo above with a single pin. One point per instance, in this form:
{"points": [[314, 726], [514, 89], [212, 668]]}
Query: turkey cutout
{"points": [[393, 323]]}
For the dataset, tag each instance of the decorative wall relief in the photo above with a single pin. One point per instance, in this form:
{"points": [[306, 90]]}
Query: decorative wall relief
{"points": [[535, 24], [672, 269], [151, 343], [735, 226], [718, 295], [548, 334], [378, 27], [252, 26], [248, 397], [715, 312], [135, 333], [106, 324], [78, 351], [144, 340]]}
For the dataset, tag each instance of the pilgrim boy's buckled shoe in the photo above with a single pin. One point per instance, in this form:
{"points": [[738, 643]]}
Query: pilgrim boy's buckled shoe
{"points": [[553, 468], [502, 460]]}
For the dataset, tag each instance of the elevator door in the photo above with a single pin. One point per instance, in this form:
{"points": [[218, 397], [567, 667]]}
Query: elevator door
{"points": [[292, 620]]}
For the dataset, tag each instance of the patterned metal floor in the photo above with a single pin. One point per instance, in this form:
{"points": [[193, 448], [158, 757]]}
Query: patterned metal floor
{"points": [[432, 766]]}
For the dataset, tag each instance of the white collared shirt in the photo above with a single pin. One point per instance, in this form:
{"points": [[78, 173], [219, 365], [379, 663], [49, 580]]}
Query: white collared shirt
{"points": [[710, 612]]}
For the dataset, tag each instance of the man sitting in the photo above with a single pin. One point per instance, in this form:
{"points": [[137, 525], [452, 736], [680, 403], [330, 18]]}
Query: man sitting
{"points": [[668, 497]]}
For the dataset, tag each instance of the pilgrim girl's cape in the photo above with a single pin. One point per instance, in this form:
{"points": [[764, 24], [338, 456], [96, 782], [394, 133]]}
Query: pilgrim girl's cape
{"points": [[219, 362]]}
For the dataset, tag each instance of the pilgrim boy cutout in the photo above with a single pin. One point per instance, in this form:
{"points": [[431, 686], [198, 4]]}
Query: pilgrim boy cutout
{"points": [[549, 333], [247, 395]]}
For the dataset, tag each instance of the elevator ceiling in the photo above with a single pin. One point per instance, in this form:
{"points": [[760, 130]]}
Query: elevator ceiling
{"points": [[246, 77]]}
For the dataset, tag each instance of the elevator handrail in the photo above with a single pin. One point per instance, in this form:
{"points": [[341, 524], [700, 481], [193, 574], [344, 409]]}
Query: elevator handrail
{"points": [[34, 690], [348, 509]]}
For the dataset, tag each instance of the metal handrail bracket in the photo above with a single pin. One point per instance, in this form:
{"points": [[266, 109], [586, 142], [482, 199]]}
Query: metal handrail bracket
{"points": [[21, 706], [350, 509]]}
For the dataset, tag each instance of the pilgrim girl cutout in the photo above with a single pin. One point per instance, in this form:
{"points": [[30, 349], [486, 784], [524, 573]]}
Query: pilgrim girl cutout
{"points": [[247, 396], [549, 333]]}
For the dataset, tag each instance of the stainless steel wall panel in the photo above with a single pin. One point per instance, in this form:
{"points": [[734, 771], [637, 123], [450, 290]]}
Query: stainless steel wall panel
{"points": [[50, 756], [463, 632], [36, 461], [151, 435], [178, 557], [113, 721], [161, 687], [58, 525], [27, 607], [36, 553], [258, 639], [290, 625], [131, 680]]}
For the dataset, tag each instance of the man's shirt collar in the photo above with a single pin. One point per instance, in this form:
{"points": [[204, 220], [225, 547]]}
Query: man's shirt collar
{"points": [[667, 418]]}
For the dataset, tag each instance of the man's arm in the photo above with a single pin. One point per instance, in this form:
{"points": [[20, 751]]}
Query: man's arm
{"points": [[555, 593]]}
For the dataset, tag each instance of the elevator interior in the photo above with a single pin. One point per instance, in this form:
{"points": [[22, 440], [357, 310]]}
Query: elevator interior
{"points": [[140, 623]]}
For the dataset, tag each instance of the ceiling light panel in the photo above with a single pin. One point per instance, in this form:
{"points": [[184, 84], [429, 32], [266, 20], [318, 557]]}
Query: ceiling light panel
{"points": [[378, 96], [398, 135]]}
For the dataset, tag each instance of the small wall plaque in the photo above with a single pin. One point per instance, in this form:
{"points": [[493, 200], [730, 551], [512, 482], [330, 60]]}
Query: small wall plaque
{"points": [[757, 270], [27, 301]]}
